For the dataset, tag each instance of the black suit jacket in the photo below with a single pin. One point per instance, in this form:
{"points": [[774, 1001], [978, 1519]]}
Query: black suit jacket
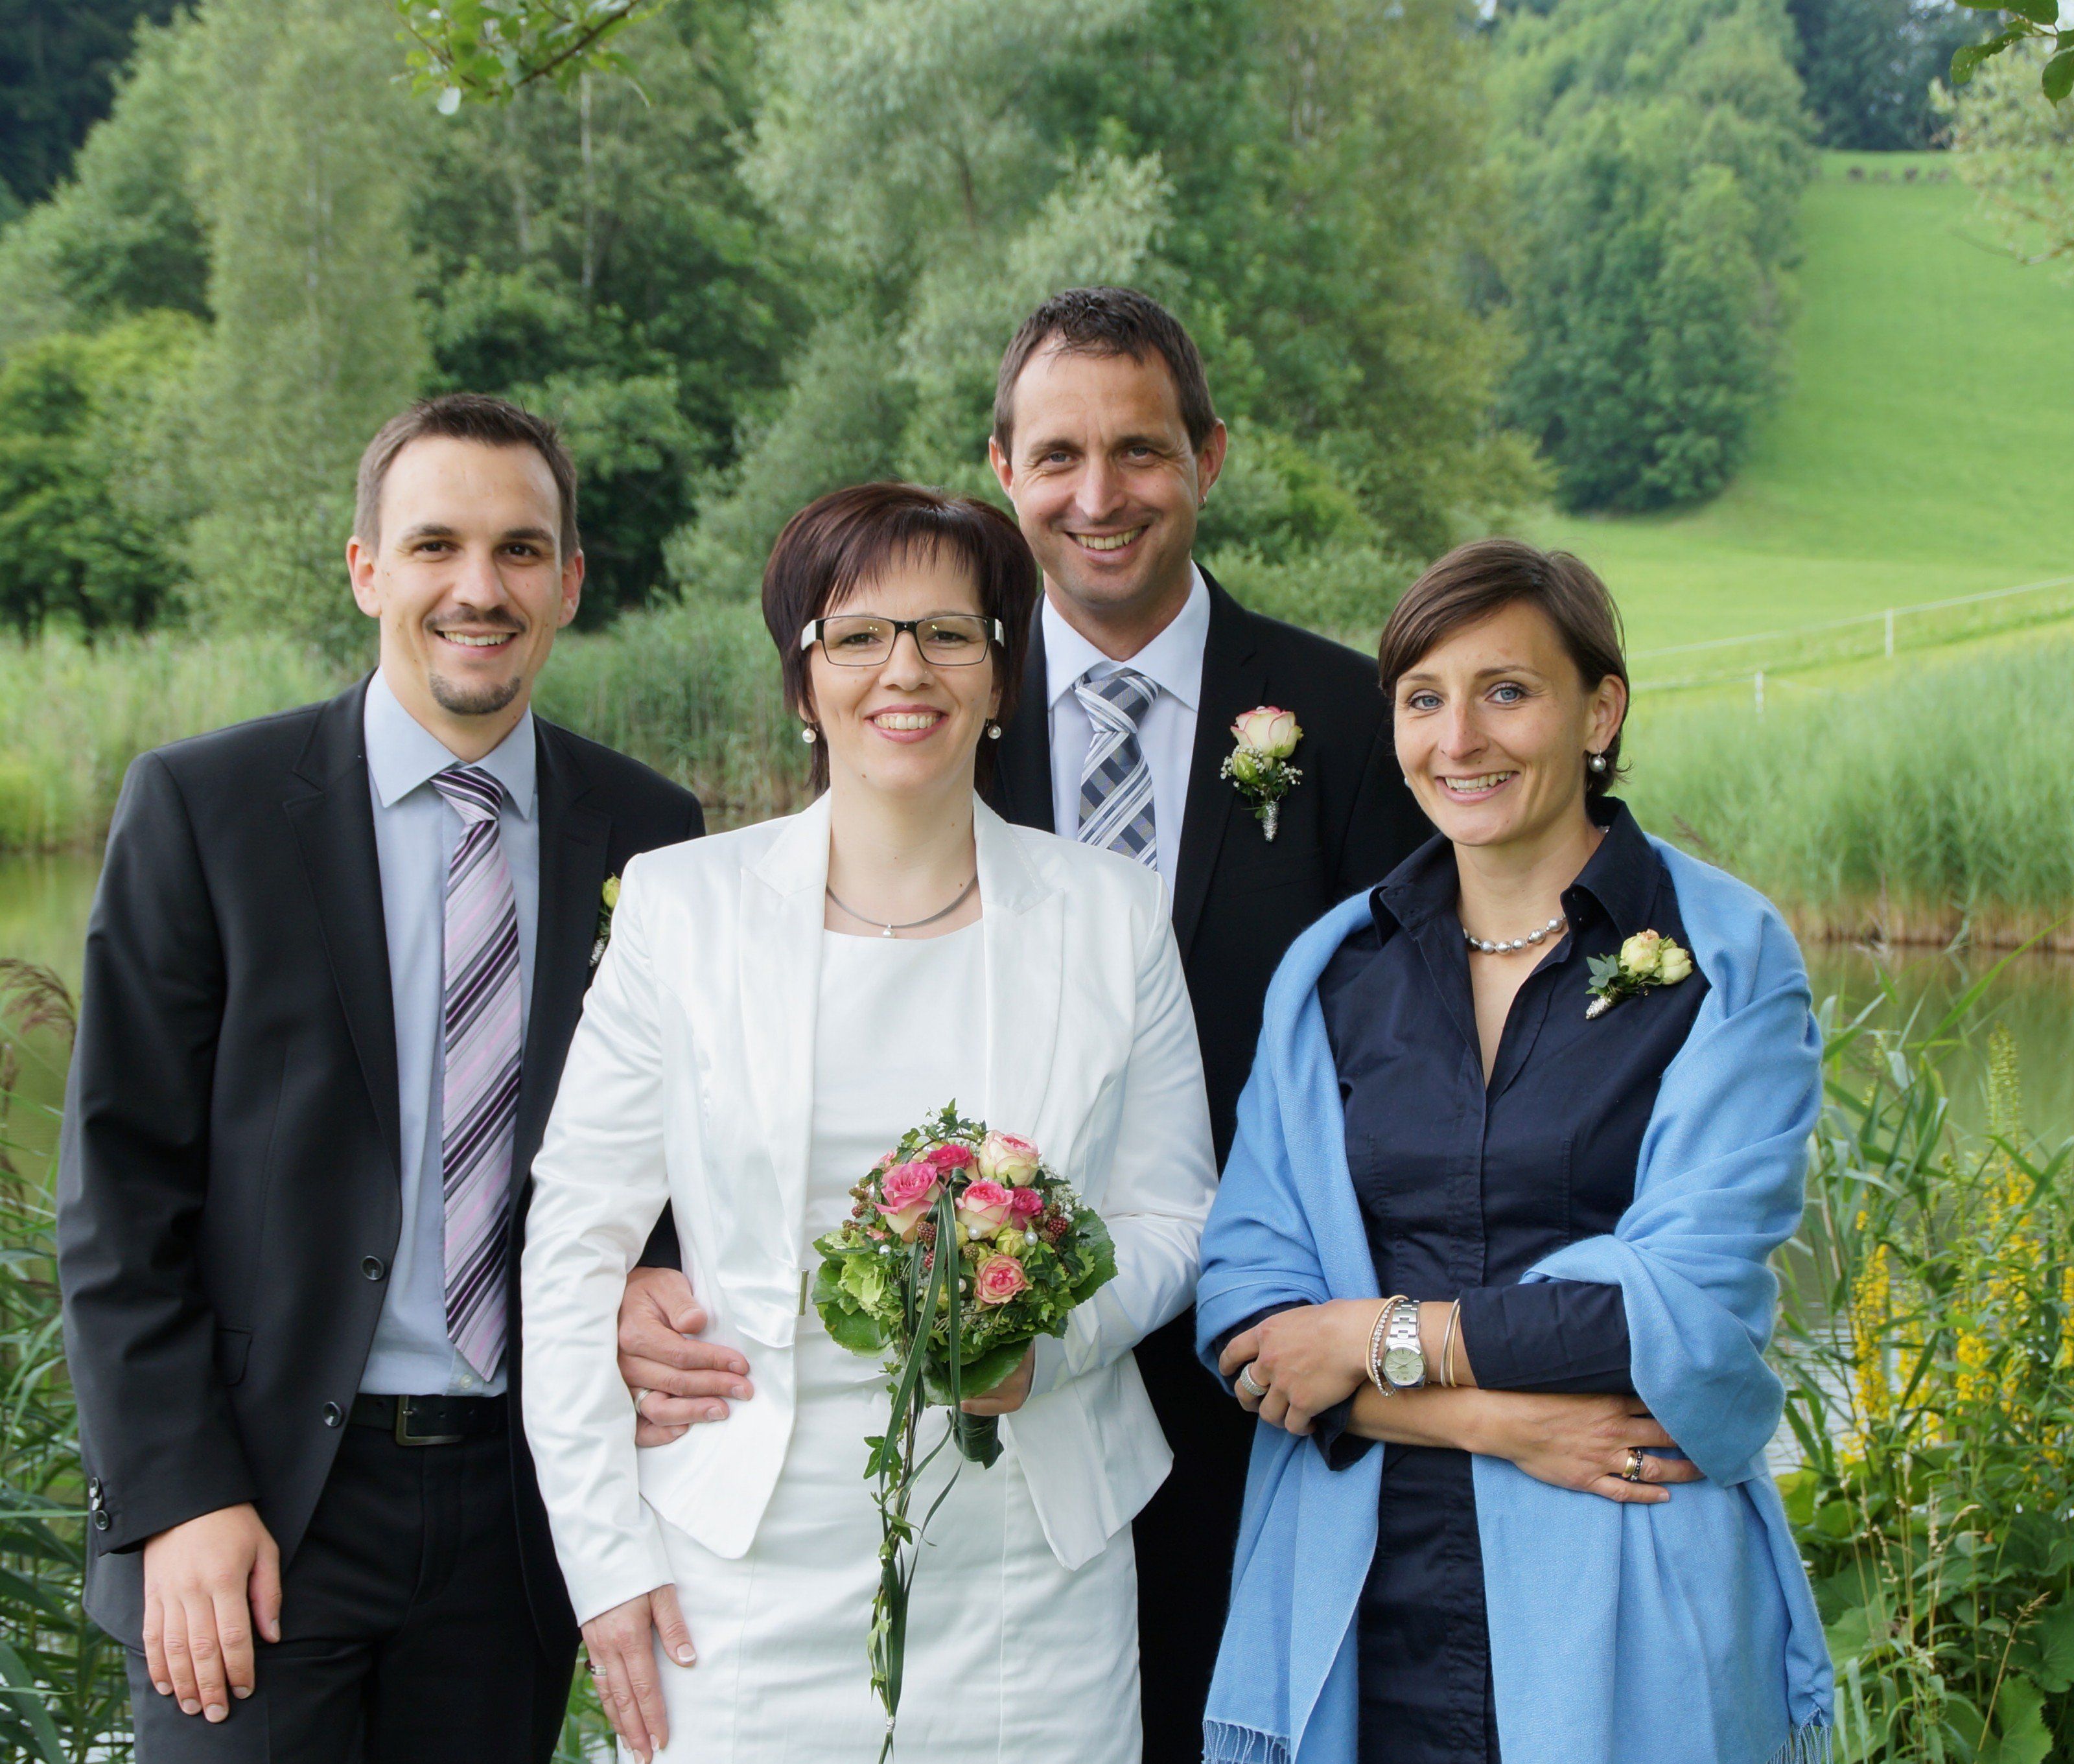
{"points": [[1239, 899], [230, 1180]]}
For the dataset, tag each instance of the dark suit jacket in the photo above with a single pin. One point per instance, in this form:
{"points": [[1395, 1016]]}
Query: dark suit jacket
{"points": [[1239, 900], [230, 1185]]}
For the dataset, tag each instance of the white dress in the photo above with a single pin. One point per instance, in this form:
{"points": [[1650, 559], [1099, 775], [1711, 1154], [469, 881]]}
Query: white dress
{"points": [[1010, 1658]]}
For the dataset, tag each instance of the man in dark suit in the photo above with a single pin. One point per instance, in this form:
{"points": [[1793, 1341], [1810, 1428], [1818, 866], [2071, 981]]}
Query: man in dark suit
{"points": [[334, 963], [1107, 443]]}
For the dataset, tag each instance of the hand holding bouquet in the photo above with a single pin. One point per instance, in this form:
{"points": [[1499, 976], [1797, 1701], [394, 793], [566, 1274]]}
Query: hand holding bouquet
{"points": [[961, 1248]]}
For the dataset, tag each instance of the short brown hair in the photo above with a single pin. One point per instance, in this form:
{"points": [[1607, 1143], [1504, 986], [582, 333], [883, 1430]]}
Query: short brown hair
{"points": [[1108, 321], [1474, 581], [465, 416], [835, 544]]}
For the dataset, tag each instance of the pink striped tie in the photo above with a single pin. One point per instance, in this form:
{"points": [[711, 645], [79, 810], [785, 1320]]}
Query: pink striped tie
{"points": [[481, 1084]]}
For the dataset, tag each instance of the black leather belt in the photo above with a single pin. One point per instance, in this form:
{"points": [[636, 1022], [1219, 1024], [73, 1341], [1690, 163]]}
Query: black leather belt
{"points": [[430, 1420]]}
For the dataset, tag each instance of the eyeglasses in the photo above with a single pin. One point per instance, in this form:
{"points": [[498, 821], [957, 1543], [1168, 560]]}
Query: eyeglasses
{"points": [[865, 640]]}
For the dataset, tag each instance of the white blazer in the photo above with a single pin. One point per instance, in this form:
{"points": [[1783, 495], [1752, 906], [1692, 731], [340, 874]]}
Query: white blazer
{"points": [[690, 1080]]}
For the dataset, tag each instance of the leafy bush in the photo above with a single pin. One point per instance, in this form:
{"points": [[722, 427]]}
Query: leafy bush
{"points": [[1929, 1342]]}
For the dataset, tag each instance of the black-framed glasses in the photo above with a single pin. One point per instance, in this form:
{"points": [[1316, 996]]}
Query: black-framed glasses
{"points": [[866, 640]]}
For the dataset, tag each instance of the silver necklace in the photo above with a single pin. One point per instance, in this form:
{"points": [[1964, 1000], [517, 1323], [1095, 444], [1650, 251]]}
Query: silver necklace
{"points": [[912, 924], [1502, 947]]}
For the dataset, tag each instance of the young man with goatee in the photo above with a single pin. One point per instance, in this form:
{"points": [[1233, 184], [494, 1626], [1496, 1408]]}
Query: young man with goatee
{"points": [[334, 966], [1107, 442]]}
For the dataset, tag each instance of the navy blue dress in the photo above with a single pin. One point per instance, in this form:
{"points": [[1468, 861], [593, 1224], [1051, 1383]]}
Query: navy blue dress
{"points": [[1465, 1187]]}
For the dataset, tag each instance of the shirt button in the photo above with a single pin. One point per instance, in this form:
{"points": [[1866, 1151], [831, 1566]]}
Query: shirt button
{"points": [[372, 1267], [102, 1522], [333, 1414]]}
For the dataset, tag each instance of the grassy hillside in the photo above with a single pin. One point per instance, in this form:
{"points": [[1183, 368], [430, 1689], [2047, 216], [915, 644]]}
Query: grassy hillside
{"points": [[1921, 451]]}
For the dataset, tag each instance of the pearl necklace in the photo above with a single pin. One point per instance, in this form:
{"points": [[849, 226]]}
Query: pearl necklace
{"points": [[1502, 947]]}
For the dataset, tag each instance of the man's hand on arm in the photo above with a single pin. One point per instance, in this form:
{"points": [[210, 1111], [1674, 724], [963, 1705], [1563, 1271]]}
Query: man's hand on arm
{"points": [[209, 1585], [676, 1379]]}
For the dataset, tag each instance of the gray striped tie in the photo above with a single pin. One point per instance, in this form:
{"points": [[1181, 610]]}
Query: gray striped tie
{"points": [[481, 1075], [1116, 783]]}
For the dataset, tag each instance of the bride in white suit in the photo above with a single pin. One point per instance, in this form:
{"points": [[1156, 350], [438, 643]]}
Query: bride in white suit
{"points": [[776, 1005]]}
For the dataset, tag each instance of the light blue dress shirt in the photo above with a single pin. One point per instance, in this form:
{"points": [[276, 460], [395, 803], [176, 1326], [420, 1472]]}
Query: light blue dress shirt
{"points": [[415, 831]]}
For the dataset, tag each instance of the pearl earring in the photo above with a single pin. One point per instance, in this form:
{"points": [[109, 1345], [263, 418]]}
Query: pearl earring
{"points": [[809, 735], [993, 731], [1598, 763]]}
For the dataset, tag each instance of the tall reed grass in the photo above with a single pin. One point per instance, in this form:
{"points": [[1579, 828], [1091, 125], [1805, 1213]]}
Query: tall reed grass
{"points": [[1939, 802], [1928, 1347]]}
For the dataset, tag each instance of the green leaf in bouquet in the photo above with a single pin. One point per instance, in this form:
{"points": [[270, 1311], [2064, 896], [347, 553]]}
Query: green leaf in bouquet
{"points": [[1097, 1245]]}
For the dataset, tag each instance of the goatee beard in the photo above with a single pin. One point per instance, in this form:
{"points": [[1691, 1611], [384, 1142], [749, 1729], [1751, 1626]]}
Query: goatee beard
{"points": [[485, 701]]}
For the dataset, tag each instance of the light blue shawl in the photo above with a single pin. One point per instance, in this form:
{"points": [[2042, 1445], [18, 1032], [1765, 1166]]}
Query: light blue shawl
{"points": [[1677, 1633]]}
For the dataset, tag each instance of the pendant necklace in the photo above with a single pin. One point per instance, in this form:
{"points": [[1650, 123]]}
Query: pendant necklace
{"points": [[1502, 947], [912, 924]]}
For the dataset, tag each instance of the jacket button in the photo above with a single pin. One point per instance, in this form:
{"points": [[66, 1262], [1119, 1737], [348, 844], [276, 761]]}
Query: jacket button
{"points": [[102, 1522], [372, 1267], [93, 1487], [333, 1414]]}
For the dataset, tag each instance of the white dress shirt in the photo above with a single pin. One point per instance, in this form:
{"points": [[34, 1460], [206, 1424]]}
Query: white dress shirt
{"points": [[1173, 662], [415, 832]]}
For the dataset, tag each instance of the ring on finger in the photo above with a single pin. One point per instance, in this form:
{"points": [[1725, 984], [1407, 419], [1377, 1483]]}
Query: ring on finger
{"points": [[641, 1394], [1636, 1459], [1250, 1384]]}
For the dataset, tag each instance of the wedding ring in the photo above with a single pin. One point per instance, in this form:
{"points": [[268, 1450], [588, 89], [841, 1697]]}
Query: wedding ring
{"points": [[640, 1397], [1250, 1384], [594, 1669], [1635, 1461]]}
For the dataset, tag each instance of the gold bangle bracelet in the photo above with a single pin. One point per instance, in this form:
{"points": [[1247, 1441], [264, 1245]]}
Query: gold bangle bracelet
{"points": [[1375, 1346], [1447, 1346]]}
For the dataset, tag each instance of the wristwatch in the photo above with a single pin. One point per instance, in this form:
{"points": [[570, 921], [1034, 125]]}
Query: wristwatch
{"points": [[1403, 1360]]}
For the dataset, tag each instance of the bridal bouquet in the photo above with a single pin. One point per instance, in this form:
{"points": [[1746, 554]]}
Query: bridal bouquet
{"points": [[962, 1247]]}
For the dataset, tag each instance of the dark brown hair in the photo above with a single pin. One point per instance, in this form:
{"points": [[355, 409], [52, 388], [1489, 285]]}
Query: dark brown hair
{"points": [[1108, 321], [836, 544], [465, 416], [1474, 581]]}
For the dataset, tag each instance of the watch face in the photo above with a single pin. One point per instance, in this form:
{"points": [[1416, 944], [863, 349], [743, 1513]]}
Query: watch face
{"points": [[1404, 1366]]}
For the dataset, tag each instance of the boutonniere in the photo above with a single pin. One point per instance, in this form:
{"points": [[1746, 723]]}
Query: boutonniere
{"points": [[1646, 959], [608, 898], [1259, 765]]}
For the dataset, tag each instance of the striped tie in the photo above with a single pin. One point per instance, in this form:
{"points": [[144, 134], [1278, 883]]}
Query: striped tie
{"points": [[481, 1081], [1116, 783]]}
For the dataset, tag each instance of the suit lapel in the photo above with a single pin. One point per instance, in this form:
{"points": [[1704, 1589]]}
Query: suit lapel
{"points": [[1023, 767], [334, 829], [1234, 680], [574, 845]]}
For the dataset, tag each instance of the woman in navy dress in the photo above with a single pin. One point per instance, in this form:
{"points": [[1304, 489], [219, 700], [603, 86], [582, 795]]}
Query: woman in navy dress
{"points": [[1492, 1117]]}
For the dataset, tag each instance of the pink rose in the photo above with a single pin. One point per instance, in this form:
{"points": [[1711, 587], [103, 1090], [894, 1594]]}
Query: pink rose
{"points": [[1007, 1159], [947, 1158], [1025, 1204], [999, 1280], [1269, 730], [984, 1208], [905, 1192]]}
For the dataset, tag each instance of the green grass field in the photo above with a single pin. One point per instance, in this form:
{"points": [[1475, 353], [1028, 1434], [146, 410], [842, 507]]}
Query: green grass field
{"points": [[1921, 450]]}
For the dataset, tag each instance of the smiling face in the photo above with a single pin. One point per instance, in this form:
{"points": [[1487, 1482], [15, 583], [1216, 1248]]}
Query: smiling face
{"points": [[1494, 724], [465, 578], [905, 728], [1106, 487]]}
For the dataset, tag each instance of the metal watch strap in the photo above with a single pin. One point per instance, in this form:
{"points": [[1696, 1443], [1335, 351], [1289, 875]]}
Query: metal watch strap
{"points": [[1403, 1358]]}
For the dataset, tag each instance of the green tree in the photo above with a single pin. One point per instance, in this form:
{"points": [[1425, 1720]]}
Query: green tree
{"points": [[2018, 154], [93, 501], [1868, 67], [57, 69], [1657, 148], [303, 164]]}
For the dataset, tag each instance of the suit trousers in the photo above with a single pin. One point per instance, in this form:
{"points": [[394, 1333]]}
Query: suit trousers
{"points": [[1186, 1537], [406, 1631]]}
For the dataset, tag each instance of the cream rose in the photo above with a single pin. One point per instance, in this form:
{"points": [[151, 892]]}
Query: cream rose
{"points": [[1673, 966], [1640, 955], [984, 1208], [999, 1280], [1269, 730], [1005, 1158]]}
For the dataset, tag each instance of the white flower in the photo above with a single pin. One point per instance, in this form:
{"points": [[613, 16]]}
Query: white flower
{"points": [[1640, 955], [1269, 730]]}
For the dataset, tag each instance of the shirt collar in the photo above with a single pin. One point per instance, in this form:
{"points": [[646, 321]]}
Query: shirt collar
{"points": [[402, 754], [1619, 878], [1173, 661]]}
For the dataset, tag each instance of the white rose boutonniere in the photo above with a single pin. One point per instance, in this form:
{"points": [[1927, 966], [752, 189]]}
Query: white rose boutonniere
{"points": [[1646, 959], [1266, 736], [608, 898]]}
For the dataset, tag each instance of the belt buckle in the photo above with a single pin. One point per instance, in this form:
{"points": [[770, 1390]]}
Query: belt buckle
{"points": [[404, 1436]]}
